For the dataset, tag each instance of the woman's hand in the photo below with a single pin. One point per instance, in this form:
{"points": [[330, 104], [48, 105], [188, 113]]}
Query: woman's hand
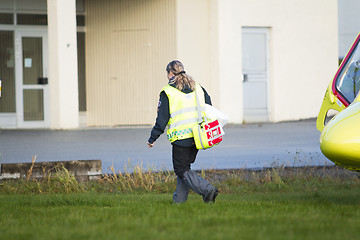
{"points": [[150, 145]]}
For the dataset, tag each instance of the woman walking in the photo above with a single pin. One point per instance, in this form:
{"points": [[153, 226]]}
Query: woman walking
{"points": [[177, 110]]}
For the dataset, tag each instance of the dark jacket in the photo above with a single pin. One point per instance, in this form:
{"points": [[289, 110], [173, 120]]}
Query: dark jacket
{"points": [[163, 116]]}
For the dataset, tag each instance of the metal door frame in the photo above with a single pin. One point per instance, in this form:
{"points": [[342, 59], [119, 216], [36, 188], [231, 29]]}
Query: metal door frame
{"points": [[19, 79]]}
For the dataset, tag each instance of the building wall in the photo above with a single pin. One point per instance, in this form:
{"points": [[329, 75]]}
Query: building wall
{"points": [[198, 43], [349, 24], [128, 45], [303, 52], [194, 40]]}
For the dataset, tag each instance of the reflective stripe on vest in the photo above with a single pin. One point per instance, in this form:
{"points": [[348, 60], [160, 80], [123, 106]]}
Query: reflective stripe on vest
{"points": [[183, 112]]}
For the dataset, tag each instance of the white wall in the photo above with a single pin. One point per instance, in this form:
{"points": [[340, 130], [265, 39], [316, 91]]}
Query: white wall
{"points": [[63, 73], [209, 50], [303, 53], [193, 45], [230, 62], [349, 24]]}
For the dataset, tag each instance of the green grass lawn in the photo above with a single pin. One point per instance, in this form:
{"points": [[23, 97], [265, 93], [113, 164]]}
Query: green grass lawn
{"points": [[287, 204], [277, 215]]}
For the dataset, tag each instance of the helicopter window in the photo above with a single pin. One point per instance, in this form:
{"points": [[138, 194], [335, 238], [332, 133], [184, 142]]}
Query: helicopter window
{"points": [[347, 82]]}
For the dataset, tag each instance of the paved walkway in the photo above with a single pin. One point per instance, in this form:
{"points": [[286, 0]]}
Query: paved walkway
{"points": [[244, 146]]}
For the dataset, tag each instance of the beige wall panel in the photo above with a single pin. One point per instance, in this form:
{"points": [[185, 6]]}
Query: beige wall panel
{"points": [[128, 44]]}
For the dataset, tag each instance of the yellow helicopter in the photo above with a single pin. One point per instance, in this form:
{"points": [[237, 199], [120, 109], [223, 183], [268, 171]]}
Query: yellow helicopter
{"points": [[340, 137]]}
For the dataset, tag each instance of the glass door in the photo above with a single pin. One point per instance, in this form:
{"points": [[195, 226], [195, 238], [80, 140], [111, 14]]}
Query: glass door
{"points": [[32, 82]]}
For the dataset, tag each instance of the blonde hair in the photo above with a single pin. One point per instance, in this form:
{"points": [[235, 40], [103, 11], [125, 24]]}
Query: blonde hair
{"points": [[181, 79]]}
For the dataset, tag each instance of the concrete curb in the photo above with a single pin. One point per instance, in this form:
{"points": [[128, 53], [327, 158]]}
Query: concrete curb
{"points": [[81, 169]]}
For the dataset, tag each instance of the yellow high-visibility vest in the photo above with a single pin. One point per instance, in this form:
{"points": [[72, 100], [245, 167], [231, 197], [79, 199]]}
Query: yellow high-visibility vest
{"points": [[183, 112]]}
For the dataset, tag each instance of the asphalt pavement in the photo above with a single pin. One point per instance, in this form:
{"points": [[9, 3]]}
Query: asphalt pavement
{"points": [[244, 146]]}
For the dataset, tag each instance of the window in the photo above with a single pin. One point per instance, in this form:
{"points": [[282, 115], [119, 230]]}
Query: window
{"points": [[347, 80], [80, 20], [81, 71], [7, 72], [31, 19], [6, 18]]}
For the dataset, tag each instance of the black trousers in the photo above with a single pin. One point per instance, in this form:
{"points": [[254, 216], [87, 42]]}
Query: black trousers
{"points": [[182, 158]]}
